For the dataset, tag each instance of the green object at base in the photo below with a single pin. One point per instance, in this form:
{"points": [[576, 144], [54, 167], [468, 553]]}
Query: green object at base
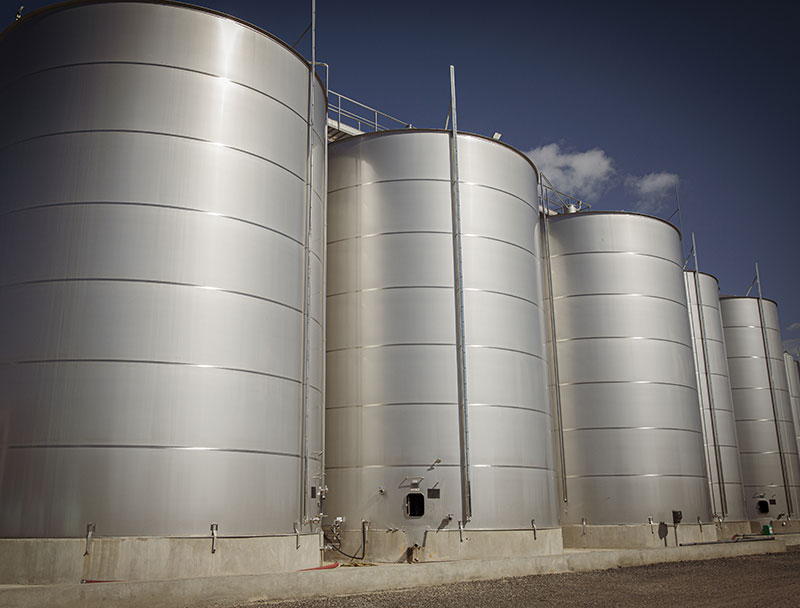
{"points": [[766, 529]]}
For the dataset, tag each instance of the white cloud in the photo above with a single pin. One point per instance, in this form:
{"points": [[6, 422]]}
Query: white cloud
{"points": [[652, 191], [581, 174], [793, 327]]}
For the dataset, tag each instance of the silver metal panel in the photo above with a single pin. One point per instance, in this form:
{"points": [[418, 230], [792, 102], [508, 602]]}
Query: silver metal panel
{"points": [[716, 400], [392, 398], [753, 394], [152, 232], [633, 437], [793, 375]]}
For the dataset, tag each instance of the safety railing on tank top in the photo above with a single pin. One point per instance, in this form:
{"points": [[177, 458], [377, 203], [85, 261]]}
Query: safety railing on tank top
{"points": [[555, 201], [347, 112]]}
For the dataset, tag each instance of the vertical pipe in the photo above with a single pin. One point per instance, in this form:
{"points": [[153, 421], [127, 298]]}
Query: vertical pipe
{"points": [[555, 374], [323, 486], [772, 395], [303, 514], [712, 411], [458, 284]]}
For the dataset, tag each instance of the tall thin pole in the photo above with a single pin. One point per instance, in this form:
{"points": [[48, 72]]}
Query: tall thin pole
{"points": [[772, 395], [323, 484], [554, 339], [712, 410], [305, 349], [458, 284]]}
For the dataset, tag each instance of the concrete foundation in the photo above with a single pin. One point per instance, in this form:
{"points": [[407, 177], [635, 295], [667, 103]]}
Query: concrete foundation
{"points": [[392, 546], [62, 560], [646, 536], [209, 591]]}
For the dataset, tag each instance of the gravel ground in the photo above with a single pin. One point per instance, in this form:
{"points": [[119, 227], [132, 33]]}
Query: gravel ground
{"points": [[758, 580]]}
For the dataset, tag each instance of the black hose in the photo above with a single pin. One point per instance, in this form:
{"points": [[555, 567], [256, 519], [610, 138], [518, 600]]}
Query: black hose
{"points": [[363, 544]]}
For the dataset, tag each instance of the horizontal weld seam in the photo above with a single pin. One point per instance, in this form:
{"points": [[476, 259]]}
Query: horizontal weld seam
{"points": [[436, 180], [158, 133]]}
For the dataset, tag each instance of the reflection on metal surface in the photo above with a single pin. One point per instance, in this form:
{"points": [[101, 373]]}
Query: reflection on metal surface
{"points": [[157, 134], [389, 408], [676, 475], [622, 295], [762, 402], [624, 338], [154, 297], [106, 446], [148, 282], [441, 181], [145, 204], [642, 382], [159, 65], [368, 346], [428, 466], [626, 371], [614, 252], [632, 428], [155, 362]]}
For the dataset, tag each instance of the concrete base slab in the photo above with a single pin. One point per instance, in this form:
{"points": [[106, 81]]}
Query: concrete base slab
{"points": [[393, 546], [62, 560], [488, 544], [727, 530], [639, 536], [199, 592], [790, 539]]}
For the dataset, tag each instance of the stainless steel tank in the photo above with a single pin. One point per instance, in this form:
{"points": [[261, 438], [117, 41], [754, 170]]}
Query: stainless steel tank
{"points": [[632, 433], [764, 423], [393, 453], [793, 374], [794, 391], [716, 401], [153, 214]]}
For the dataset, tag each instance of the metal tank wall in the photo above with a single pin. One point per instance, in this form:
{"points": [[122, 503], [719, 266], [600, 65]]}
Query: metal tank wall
{"points": [[632, 433], [153, 229], [793, 375], [768, 449], [392, 398], [716, 401]]}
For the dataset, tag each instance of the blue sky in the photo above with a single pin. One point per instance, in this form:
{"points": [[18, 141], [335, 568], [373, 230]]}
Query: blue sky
{"points": [[617, 103]]}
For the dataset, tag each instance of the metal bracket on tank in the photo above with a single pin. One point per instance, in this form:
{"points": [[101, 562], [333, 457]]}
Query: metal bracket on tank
{"points": [[651, 522], [296, 534], [412, 481], [214, 528], [583, 523], [90, 528], [533, 525]]}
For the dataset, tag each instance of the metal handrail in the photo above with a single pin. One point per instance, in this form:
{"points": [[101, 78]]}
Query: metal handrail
{"points": [[560, 202], [362, 117]]}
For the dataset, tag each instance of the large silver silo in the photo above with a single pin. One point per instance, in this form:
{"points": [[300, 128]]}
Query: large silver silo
{"points": [[767, 443], [796, 404], [155, 251], [793, 375], [632, 433], [393, 391], [716, 401]]}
